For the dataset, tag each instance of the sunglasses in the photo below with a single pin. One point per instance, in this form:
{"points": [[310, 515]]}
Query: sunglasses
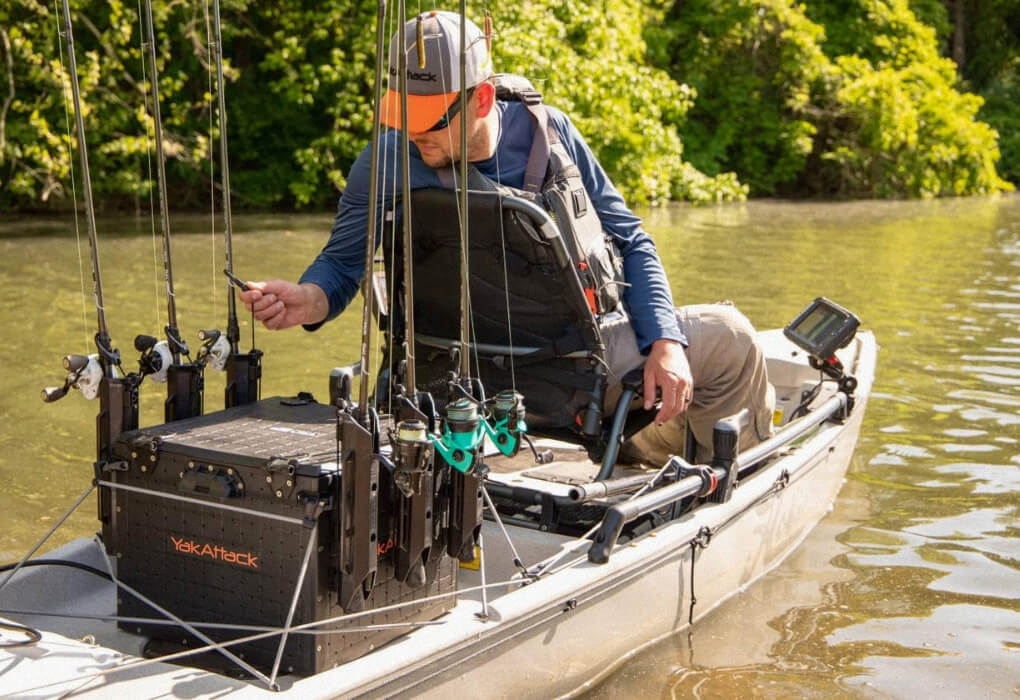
{"points": [[444, 121]]}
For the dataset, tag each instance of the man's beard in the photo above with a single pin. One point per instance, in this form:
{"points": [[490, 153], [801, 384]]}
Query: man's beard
{"points": [[477, 143]]}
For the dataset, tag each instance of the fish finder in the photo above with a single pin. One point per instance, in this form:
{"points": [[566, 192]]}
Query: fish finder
{"points": [[821, 329]]}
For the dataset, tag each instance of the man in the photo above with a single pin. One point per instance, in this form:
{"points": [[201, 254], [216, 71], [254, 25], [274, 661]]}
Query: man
{"points": [[703, 359]]}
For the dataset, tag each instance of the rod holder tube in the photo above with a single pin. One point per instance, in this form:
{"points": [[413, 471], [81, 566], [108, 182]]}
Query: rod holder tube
{"points": [[621, 514], [583, 493]]}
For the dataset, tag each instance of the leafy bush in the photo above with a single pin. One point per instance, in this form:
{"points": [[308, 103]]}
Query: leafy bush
{"points": [[862, 107]]}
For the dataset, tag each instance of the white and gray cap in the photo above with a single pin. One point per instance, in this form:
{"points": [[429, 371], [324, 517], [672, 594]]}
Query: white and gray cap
{"points": [[433, 88]]}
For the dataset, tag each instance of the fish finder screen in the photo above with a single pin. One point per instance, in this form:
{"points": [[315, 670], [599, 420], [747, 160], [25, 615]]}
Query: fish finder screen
{"points": [[822, 328]]}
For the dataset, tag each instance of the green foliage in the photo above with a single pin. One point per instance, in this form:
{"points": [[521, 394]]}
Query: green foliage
{"points": [[758, 71], [1002, 112], [678, 99], [299, 87], [589, 60], [862, 106]]}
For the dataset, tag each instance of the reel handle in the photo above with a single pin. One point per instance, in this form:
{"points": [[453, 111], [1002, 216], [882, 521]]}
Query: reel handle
{"points": [[54, 393], [144, 343]]}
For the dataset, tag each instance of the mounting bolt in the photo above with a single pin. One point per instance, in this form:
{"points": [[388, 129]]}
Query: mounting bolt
{"points": [[134, 455], [230, 471], [144, 468], [181, 475], [279, 493], [118, 509], [210, 467], [269, 479], [290, 482], [318, 647], [191, 464], [152, 458]]}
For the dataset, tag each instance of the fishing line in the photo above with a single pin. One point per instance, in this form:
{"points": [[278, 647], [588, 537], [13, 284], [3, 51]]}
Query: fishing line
{"points": [[142, 45], [502, 233], [463, 225], [212, 155], [391, 278], [74, 189]]}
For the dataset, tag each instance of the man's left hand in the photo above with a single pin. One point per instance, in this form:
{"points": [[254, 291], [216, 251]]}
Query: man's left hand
{"points": [[667, 369]]}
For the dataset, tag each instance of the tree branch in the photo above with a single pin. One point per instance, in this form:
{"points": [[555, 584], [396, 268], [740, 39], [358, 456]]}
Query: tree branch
{"points": [[10, 97]]}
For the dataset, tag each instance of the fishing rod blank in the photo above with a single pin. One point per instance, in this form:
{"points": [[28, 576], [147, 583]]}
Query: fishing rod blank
{"points": [[96, 375], [184, 380], [244, 370]]}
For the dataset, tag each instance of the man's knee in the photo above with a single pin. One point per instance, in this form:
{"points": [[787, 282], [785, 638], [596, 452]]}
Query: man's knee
{"points": [[721, 340], [724, 323]]}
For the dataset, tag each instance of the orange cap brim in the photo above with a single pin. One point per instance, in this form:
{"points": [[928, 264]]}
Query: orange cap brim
{"points": [[423, 110]]}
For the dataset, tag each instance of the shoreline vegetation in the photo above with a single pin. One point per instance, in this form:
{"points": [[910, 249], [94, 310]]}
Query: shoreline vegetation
{"points": [[691, 100]]}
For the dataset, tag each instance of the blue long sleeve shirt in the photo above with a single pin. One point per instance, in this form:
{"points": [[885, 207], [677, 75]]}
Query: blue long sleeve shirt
{"points": [[340, 267]]}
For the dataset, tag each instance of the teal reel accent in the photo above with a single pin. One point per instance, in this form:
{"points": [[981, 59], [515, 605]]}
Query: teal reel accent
{"points": [[506, 439], [459, 449], [463, 433], [509, 426]]}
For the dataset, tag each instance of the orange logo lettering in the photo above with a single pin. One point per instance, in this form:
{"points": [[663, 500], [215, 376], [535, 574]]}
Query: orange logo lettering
{"points": [[185, 546]]}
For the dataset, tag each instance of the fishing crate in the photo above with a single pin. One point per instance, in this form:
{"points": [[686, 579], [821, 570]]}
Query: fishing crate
{"points": [[210, 517]]}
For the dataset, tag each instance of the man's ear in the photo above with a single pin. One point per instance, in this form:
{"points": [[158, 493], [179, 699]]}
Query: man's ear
{"points": [[485, 94]]}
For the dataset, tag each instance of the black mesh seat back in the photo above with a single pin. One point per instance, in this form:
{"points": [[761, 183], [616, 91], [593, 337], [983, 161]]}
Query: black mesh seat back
{"points": [[510, 264]]}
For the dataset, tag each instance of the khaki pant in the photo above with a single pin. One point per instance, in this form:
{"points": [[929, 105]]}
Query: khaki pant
{"points": [[729, 375]]}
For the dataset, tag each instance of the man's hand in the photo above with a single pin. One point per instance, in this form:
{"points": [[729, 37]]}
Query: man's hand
{"points": [[668, 370], [280, 304]]}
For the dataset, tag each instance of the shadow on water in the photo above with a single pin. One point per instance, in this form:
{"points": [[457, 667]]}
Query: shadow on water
{"points": [[909, 586]]}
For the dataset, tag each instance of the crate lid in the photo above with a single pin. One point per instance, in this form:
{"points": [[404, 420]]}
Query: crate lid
{"points": [[284, 430]]}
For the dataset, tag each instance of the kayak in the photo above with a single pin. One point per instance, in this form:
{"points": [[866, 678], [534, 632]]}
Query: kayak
{"points": [[548, 607]]}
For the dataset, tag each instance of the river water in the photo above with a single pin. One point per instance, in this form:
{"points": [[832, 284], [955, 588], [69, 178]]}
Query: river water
{"points": [[910, 587]]}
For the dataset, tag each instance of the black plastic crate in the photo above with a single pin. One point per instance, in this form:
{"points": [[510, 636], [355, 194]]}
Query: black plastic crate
{"points": [[206, 564]]}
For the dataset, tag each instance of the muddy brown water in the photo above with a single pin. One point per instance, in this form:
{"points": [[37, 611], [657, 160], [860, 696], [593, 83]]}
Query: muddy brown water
{"points": [[910, 587]]}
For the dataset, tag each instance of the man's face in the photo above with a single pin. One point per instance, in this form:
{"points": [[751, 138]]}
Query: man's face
{"points": [[442, 147]]}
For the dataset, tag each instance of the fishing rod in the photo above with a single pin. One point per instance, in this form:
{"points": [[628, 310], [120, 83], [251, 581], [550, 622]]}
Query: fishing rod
{"points": [[463, 437], [358, 423], [98, 374], [373, 200], [413, 454], [162, 360], [465, 290], [244, 370]]}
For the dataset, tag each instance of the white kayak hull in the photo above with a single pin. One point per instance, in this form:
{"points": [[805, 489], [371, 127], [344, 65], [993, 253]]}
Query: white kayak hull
{"points": [[556, 636]]}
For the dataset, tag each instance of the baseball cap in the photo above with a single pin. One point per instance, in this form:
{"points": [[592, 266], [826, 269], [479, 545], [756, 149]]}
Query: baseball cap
{"points": [[432, 89]]}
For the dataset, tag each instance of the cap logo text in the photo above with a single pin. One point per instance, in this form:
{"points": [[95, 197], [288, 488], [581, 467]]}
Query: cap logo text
{"points": [[412, 75]]}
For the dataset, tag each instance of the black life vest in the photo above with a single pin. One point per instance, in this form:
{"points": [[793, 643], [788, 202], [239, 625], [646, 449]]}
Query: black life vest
{"points": [[520, 295]]}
